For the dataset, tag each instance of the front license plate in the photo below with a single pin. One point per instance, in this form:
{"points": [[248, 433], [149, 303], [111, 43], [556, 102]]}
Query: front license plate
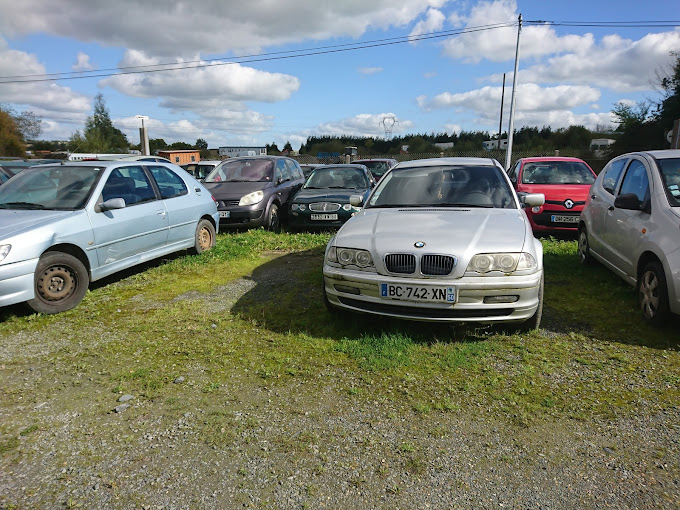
{"points": [[324, 217], [564, 219], [418, 293], [224, 214]]}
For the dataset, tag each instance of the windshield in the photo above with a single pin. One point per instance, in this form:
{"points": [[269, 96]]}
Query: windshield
{"points": [[670, 173], [377, 168], [338, 177], [443, 186], [557, 172], [52, 187], [242, 170]]}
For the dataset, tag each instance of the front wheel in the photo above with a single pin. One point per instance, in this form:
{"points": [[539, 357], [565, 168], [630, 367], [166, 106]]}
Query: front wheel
{"points": [[533, 322], [205, 237], [653, 294], [60, 283], [584, 255], [273, 219]]}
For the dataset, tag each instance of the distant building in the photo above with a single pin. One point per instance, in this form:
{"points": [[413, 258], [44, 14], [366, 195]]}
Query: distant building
{"points": [[598, 144], [444, 146], [230, 152], [493, 144], [181, 157]]}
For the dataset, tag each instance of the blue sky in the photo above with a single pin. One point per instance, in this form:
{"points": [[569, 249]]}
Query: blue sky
{"points": [[567, 74]]}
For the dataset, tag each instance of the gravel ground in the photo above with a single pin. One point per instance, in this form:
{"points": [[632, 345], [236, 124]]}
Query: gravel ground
{"points": [[311, 444]]}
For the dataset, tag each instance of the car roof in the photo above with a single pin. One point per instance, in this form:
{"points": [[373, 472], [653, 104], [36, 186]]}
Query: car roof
{"points": [[205, 162], [373, 159], [449, 161], [658, 154], [542, 159]]}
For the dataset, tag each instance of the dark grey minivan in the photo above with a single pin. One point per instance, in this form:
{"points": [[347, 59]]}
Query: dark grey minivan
{"points": [[254, 191]]}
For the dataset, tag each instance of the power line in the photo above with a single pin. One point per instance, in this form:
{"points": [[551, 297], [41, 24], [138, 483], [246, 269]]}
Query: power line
{"points": [[264, 57]]}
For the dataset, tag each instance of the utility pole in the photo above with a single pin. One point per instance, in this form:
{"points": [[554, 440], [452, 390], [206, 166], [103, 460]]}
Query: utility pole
{"points": [[508, 153], [500, 123], [143, 137]]}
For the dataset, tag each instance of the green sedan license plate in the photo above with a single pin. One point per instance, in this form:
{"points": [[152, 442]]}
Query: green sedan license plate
{"points": [[324, 217], [418, 293]]}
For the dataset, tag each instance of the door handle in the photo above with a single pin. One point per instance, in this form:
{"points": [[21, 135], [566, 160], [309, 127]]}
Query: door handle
{"points": [[610, 208], [161, 212]]}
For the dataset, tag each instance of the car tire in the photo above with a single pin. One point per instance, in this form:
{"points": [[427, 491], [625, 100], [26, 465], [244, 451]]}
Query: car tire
{"points": [[534, 322], [652, 294], [583, 249], [204, 237], [273, 218], [60, 283]]}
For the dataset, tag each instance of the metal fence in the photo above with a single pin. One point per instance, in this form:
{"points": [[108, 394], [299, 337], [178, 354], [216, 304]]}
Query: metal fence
{"points": [[596, 162]]}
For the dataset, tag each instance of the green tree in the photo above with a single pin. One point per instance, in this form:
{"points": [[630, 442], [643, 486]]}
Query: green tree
{"points": [[157, 144], [201, 144], [181, 146], [99, 135], [288, 147], [11, 143]]}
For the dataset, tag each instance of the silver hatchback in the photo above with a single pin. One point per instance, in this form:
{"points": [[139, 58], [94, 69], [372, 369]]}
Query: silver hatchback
{"points": [[631, 224], [62, 226]]}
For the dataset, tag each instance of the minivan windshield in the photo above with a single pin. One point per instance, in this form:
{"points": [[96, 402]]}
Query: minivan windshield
{"points": [[242, 170]]}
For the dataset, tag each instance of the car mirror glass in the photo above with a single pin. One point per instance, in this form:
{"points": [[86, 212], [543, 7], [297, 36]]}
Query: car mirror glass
{"points": [[112, 203]]}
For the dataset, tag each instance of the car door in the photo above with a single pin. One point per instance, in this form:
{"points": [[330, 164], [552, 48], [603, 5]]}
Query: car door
{"points": [[122, 236], [624, 229], [184, 208], [282, 180], [602, 194]]}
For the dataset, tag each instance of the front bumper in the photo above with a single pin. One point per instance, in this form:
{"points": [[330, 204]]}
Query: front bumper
{"points": [[543, 221], [304, 219], [359, 291], [17, 282], [241, 217]]}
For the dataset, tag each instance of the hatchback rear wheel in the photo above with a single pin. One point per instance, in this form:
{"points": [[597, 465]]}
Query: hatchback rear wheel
{"points": [[205, 237], [653, 294]]}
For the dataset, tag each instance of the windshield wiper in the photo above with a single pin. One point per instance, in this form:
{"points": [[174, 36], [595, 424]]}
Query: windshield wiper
{"points": [[21, 205]]}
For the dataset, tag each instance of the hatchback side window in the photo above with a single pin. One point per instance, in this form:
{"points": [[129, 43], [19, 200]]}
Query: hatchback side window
{"points": [[169, 183], [129, 183], [294, 170], [612, 175], [282, 171], [636, 181]]}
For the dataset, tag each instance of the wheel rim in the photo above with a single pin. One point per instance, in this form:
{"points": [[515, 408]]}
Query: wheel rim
{"points": [[274, 221], [649, 294], [56, 283], [204, 238], [583, 245]]}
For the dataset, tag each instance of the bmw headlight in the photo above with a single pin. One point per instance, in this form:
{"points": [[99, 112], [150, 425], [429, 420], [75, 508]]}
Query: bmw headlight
{"points": [[504, 262], [349, 257], [251, 198], [4, 250]]}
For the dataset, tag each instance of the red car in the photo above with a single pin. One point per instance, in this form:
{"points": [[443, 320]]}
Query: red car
{"points": [[565, 182]]}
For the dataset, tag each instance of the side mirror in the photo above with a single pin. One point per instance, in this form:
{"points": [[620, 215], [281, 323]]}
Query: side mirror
{"points": [[628, 201], [356, 200], [112, 203], [532, 199]]}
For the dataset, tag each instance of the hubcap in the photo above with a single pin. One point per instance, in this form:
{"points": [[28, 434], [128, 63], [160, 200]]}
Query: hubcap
{"points": [[582, 245], [204, 238], [56, 283], [649, 294]]}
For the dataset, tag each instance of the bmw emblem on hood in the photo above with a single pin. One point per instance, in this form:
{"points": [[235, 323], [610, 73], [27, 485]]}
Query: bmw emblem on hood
{"points": [[419, 244], [568, 203]]}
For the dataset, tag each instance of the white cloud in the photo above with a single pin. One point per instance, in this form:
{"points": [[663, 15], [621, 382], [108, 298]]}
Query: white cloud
{"points": [[453, 128], [82, 62], [161, 28], [498, 45], [370, 70], [363, 124], [38, 95], [433, 22]]}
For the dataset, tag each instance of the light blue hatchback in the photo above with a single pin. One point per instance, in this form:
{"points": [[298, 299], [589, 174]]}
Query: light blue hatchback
{"points": [[64, 225]]}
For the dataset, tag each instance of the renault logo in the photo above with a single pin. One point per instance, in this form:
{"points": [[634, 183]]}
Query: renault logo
{"points": [[419, 244], [568, 203]]}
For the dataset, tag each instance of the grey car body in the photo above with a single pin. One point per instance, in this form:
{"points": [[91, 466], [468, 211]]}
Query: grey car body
{"points": [[254, 191], [62, 226], [630, 223], [430, 245]]}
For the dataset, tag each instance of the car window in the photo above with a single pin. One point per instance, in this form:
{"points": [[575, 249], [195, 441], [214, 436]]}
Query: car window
{"points": [[282, 171], [242, 170], [557, 172], [636, 181], [129, 183], [169, 183], [294, 170], [512, 174], [670, 174], [612, 174]]}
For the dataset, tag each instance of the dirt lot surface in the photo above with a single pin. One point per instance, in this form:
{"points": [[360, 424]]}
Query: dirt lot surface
{"points": [[307, 443]]}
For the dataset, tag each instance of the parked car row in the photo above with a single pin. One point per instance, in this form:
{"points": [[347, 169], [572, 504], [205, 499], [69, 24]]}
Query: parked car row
{"points": [[445, 239]]}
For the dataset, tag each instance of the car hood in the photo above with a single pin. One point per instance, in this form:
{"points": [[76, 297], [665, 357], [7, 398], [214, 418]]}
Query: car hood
{"points": [[18, 221], [234, 190], [577, 192], [327, 194], [459, 232]]}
